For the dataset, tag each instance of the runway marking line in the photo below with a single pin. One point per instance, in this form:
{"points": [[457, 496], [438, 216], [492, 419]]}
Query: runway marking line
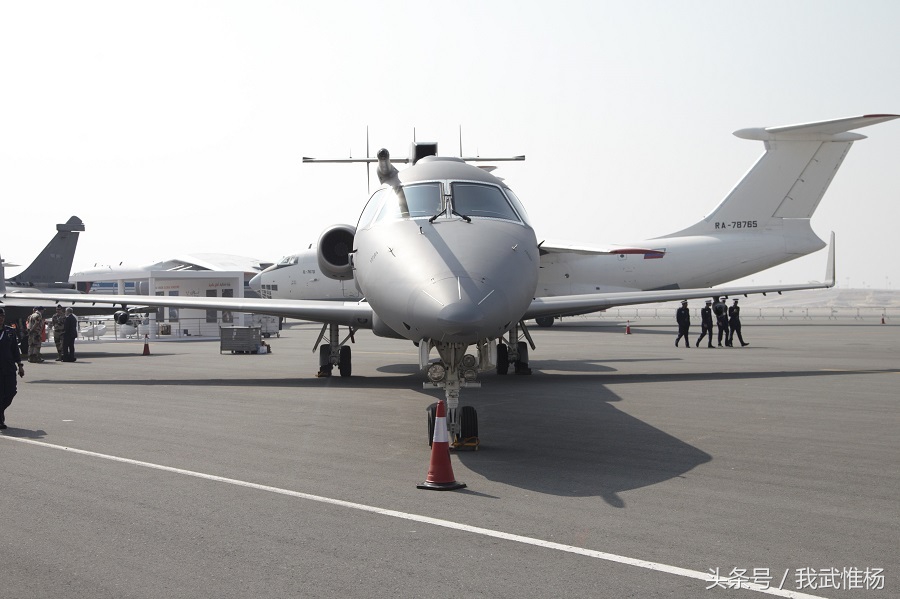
{"points": [[601, 555]]}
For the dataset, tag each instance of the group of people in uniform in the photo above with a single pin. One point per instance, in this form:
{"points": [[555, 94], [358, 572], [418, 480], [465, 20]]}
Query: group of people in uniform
{"points": [[727, 318], [65, 330]]}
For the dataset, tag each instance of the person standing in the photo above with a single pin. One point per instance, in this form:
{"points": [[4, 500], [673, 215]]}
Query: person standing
{"points": [[58, 323], [10, 362], [734, 321], [35, 326], [69, 333], [683, 318], [720, 310], [706, 323]]}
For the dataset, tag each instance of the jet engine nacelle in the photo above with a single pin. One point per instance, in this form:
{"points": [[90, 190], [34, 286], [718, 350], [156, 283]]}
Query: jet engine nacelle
{"points": [[122, 317], [333, 253]]}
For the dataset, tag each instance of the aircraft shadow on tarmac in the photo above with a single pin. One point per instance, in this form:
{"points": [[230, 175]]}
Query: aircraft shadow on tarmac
{"points": [[577, 371], [619, 329], [574, 444], [552, 433]]}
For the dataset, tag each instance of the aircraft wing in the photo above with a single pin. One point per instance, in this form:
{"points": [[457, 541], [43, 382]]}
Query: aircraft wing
{"points": [[355, 314], [552, 247], [570, 305]]}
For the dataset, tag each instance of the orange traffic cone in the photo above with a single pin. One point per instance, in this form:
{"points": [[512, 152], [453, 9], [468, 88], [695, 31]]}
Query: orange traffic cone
{"points": [[627, 327], [440, 472], [146, 345]]}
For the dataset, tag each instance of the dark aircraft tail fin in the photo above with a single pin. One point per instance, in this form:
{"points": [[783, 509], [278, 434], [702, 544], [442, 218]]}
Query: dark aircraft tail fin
{"points": [[54, 263]]}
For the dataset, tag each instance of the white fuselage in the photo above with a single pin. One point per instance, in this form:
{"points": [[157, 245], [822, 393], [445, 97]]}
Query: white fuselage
{"points": [[694, 261], [688, 262]]}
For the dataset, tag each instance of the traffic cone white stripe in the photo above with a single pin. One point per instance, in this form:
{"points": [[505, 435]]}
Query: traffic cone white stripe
{"points": [[441, 435]]}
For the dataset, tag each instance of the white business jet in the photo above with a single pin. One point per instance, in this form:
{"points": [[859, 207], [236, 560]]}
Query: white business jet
{"points": [[444, 255]]}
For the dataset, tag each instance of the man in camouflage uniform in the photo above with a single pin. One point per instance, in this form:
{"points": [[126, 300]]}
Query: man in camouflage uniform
{"points": [[35, 326], [58, 322]]}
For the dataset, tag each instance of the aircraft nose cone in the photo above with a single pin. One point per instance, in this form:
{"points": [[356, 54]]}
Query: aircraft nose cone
{"points": [[460, 317], [256, 282]]}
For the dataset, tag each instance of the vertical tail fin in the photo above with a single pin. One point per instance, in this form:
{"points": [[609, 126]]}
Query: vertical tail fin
{"points": [[54, 263], [790, 178]]}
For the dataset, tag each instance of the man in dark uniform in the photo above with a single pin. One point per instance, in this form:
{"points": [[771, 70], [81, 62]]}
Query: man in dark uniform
{"points": [[721, 312], [734, 321], [10, 362], [683, 318], [706, 324], [69, 334]]}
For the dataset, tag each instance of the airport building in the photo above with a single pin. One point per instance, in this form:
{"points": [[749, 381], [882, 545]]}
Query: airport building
{"points": [[199, 275]]}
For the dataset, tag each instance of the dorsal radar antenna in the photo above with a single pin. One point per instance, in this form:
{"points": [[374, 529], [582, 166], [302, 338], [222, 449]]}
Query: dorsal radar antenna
{"points": [[418, 150]]}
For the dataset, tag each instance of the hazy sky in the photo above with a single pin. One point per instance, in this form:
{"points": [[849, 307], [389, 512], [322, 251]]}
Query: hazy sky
{"points": [[179, 127]]}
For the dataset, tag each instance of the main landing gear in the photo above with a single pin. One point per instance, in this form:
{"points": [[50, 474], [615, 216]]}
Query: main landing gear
{"points": [[335, 352], [514, 351]]}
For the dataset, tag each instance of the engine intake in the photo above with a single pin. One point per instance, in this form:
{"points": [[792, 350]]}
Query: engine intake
{"points": [[333, 252]]}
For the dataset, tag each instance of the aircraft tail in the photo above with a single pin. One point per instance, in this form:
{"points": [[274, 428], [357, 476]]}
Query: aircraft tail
{"points": [[54, 263], [790, 178]]}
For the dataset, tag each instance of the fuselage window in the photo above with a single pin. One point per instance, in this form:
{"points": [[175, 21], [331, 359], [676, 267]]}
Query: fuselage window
{"points": [[412, 201], [474, 200]]}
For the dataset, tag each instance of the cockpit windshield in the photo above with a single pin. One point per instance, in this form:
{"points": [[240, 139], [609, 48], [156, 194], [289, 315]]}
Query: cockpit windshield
{"points": [[486, 201], [424, 200], [412, 201], [289, 261]]}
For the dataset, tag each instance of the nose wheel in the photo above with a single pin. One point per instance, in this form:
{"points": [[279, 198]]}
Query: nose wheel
{"points": [[468, 427], [455, 370]]}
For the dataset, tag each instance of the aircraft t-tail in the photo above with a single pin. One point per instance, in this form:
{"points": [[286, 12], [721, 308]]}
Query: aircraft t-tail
{"points": [[445, 256]]}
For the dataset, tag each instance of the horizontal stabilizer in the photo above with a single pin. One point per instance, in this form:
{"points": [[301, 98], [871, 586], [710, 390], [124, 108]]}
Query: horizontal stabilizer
{"points": [[832, 130]]}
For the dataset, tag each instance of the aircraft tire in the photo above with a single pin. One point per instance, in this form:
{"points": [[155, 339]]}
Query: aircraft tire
{"points": [[325, 366], [521, 366], [502, 358], [345, 366], [522, 348], [468, 422]]}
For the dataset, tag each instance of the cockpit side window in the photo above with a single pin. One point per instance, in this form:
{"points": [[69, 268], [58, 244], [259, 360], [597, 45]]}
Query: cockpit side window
{"points": [[486, 201], [412, 201], [517, 204], [371, 209]]}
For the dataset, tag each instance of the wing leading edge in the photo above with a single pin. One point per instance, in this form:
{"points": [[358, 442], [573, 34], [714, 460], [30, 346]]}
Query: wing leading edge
{"points": [[355, 314]]}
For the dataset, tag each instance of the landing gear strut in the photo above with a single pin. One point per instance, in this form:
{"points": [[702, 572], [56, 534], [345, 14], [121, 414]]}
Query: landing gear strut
{"points": [[335, 352], [516, 351], [456, 369]]}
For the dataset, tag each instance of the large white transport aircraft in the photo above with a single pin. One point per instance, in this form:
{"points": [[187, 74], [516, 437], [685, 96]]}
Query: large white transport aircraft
{"points": [[445, 256]]}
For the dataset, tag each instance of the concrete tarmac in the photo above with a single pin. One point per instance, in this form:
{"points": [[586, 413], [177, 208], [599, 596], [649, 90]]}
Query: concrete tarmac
{"points": [[623, 467]]}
